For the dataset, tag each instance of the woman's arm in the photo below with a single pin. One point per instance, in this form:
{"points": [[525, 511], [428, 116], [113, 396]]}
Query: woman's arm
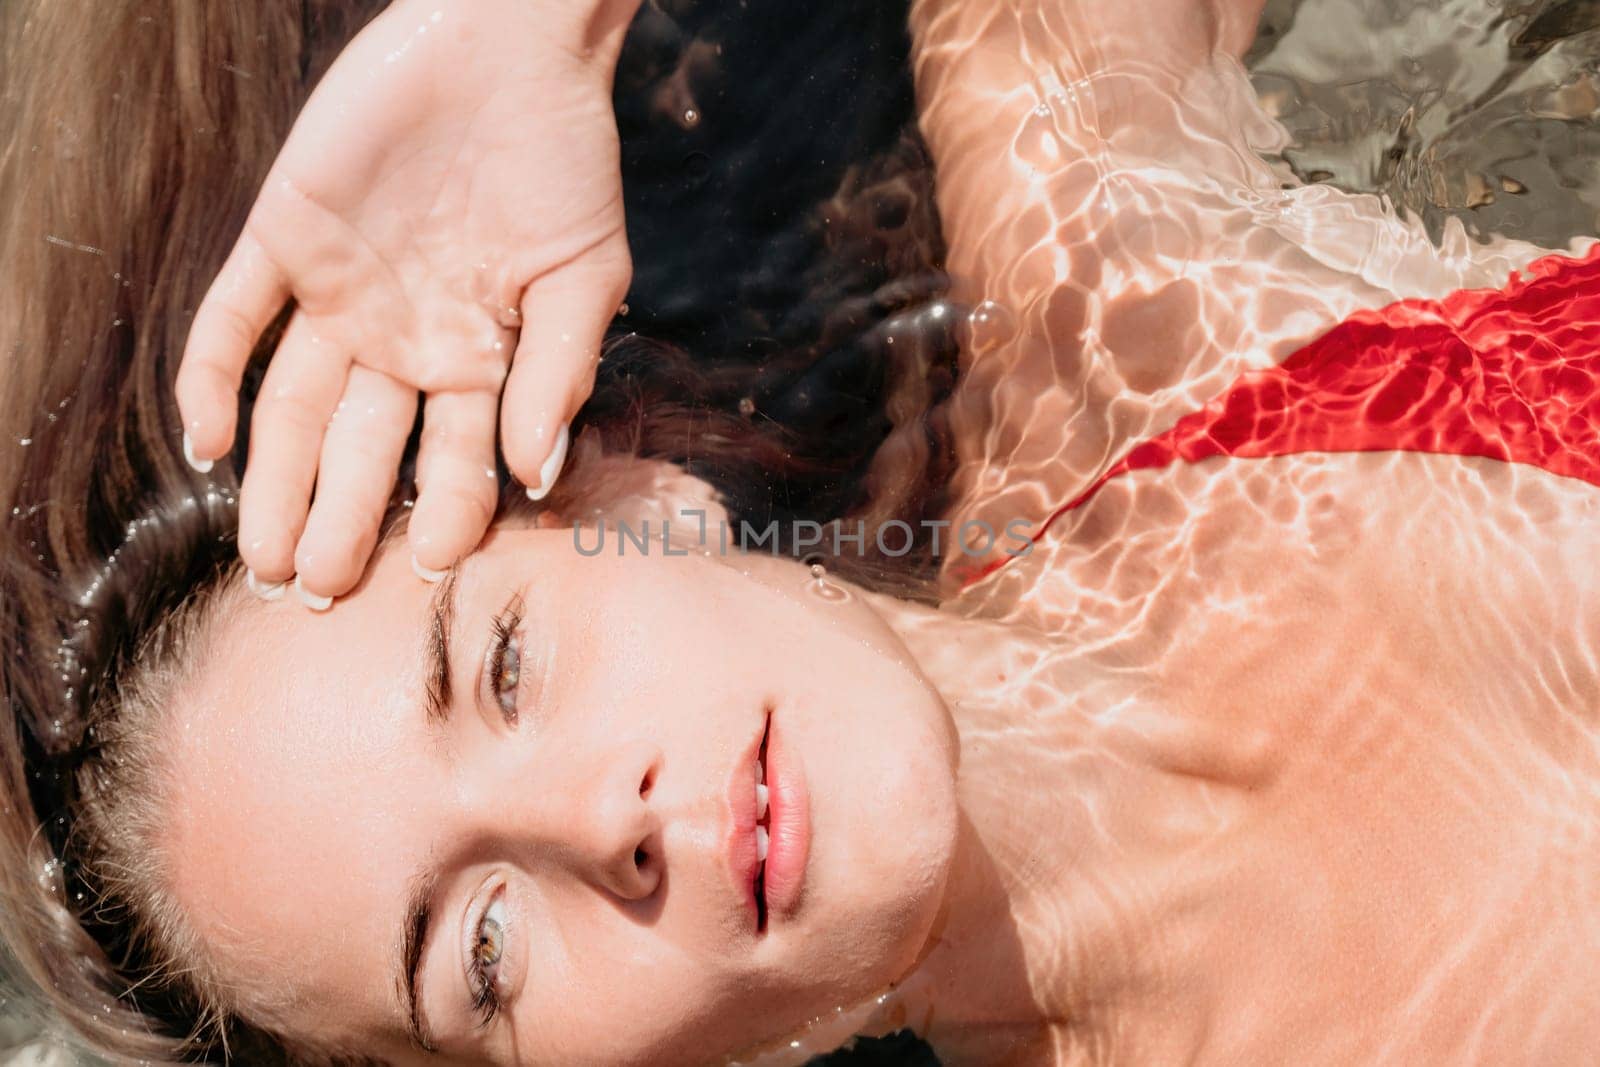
{"points": [[1100, 180]]}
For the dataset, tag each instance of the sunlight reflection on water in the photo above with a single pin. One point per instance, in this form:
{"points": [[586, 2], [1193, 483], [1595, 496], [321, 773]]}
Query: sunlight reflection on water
{"points": [[1481, 109]]}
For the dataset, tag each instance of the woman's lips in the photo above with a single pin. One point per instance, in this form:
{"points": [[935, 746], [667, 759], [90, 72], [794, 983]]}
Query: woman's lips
{"points": [[740, 846], [768, 884], [788, 827]]}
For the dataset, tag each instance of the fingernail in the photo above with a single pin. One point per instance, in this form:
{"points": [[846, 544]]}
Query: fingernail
{"points": [[310, 599], [427, 574], [201, 466], [264, 590], [552, 467]]}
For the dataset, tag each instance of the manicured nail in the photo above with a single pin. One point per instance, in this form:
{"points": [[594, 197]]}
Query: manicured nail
{"points": [[201, 466], [552, 467], [310, 599], [264, 590], [427, 574]]}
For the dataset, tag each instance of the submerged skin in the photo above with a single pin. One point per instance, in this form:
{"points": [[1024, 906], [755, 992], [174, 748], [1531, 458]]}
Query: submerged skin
{"points": [[1323, 783], [1288, 760], [1321, 728]]}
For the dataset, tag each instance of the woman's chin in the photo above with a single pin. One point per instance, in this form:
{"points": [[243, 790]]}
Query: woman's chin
{"points": [[890, 876]]}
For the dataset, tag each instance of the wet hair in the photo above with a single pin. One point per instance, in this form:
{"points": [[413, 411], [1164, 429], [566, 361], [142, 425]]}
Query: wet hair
{"points": [[133, 136]]}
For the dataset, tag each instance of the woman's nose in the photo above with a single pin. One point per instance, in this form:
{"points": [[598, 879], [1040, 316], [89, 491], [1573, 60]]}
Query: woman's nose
{"points": [[604, 827]]}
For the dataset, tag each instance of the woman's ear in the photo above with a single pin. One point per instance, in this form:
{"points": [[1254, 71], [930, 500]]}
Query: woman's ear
{"points": [[628, 489]]}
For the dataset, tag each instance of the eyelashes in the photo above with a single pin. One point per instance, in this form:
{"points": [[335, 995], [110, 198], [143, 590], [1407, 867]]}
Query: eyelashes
{"points": [[505, 659], [487, 951]]}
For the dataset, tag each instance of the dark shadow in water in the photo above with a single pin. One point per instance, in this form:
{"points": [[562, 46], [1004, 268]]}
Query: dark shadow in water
{"points": [[781, 215]]}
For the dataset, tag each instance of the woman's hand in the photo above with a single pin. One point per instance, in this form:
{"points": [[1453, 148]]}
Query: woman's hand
{"points": [[447, 217]]}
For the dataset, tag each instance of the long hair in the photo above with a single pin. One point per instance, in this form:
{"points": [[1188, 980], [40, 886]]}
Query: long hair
{"points": [[133, 136]]}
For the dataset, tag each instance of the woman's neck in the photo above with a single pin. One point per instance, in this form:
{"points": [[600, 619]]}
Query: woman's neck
{"points": [[1023, 944]]}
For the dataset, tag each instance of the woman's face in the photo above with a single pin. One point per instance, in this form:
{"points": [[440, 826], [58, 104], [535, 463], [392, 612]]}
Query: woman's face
{"points": [[568, 828]]}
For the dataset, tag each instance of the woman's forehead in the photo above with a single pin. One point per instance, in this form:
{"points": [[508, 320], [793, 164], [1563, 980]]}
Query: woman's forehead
{"points": [[293, 756]]}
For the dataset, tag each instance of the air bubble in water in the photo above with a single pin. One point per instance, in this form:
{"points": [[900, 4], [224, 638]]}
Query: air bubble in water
{"points": [[989, 326]]}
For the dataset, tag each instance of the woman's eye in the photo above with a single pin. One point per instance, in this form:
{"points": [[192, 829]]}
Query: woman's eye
{"points": [[491, 943], [488, 949], [505, 660], [507, 676]]}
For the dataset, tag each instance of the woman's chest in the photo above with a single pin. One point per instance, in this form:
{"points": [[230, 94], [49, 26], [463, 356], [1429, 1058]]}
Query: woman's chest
{"points": [[1343, 801]]}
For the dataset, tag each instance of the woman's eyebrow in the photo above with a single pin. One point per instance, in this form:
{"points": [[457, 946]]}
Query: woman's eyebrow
{"points": [[420, 905], [436, 650]]}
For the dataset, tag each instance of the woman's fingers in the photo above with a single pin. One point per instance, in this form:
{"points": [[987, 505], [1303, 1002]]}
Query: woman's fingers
{"points": [[564, 320], [458, 488], [298, 397], [359, 461], [241, 303]]}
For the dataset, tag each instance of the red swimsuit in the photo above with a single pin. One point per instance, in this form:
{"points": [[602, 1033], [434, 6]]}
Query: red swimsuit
{"points": [[1512, 374]]}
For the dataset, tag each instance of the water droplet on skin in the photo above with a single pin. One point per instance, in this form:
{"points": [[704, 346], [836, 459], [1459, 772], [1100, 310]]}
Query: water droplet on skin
{"points": [[623, 310], [822, 589], [691, 118], [24, 441]]}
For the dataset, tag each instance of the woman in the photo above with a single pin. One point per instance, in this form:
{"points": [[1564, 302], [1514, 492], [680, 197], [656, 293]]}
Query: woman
{"points": [[1086, 810]]}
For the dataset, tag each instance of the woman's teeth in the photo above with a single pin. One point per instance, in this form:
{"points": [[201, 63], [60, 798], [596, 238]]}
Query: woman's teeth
{"points": [[761, 811]]}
